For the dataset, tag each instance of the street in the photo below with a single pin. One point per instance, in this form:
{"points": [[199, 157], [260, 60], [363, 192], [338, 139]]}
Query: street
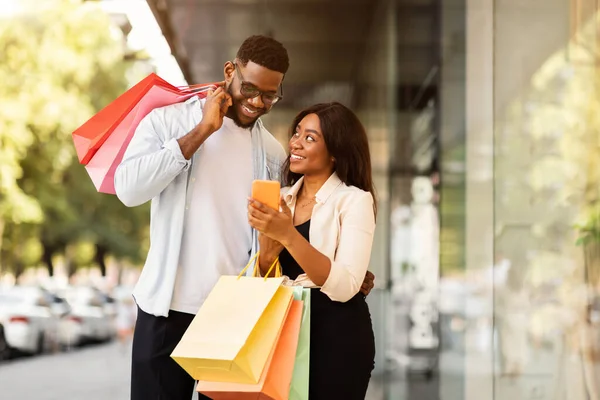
{"points": [[99, 372]]}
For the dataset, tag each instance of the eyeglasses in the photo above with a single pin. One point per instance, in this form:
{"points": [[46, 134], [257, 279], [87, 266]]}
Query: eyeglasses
{"points": [[250, 91]]}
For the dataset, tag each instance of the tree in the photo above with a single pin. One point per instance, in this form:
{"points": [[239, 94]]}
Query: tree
{"points": [[63, 61]]}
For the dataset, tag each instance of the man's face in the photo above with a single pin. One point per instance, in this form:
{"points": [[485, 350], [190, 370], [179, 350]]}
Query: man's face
{"points": [[245, 111]]}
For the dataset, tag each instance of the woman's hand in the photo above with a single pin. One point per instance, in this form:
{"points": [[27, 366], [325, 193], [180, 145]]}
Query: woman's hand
{"points": [[269, 251], [277, 225], [269, 248]]}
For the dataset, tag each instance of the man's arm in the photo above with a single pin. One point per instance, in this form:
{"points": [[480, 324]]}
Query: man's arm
{"points": [[368, 283], [151, 162]]}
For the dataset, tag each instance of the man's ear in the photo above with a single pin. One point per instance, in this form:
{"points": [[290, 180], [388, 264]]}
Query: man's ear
{"points": [[228, 72]]}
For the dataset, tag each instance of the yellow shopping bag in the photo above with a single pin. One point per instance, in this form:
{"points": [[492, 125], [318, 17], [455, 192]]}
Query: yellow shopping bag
{"points": [[276, 379], [233, 334]]}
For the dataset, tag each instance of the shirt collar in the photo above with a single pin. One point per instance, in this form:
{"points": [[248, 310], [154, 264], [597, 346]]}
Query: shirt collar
{"points": [[330, 185], [193, 99]]}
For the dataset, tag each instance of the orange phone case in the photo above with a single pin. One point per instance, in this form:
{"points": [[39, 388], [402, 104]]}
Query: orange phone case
{"points": [[267, 192]]}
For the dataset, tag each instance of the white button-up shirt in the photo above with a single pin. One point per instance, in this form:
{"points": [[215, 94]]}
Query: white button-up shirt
{"points": [[153, 168], [342, 227]]}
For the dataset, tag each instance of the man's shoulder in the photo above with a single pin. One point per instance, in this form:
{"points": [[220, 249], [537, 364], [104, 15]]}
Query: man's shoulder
{"points": [[177, 116], [183, 108], [272, 146]]}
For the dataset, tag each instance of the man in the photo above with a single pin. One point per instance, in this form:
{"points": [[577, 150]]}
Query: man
{"points": [[196, 161]]}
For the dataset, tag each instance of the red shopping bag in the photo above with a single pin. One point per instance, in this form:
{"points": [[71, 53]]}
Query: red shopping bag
{"points": [[276, 379], [103, 139], [90, 136]]}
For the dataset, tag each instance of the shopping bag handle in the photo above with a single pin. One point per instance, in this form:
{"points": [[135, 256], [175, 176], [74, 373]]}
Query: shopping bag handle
{"points": [[275, 265], [252, 260], [200, 87]]}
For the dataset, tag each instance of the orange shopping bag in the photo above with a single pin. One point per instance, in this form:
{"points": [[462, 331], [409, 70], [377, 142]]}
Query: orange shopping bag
{"points": [[275, 381]]}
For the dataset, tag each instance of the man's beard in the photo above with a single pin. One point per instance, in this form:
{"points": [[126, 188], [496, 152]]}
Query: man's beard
{"points": [[232, 112]]}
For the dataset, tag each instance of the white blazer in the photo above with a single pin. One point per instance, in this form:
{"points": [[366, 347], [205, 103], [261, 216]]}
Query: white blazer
{"points": [[341, 227]]}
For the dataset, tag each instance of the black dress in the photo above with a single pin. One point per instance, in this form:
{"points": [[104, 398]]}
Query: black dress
{"points": [[342, 344]]}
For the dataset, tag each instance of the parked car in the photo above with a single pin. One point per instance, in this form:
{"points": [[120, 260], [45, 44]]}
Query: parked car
{"points": [[29, 323], [5, 350], [59, 305], [89, 319], [109, 304]]}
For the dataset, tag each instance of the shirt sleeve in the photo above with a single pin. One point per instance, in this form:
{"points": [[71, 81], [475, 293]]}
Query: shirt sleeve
{"points": [[349, 267], [150, 163]]}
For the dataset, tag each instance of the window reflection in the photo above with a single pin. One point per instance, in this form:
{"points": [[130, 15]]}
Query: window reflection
{"points": [[547, 241]]}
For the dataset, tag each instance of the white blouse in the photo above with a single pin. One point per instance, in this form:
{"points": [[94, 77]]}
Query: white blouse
{"points": [[342, 227]]}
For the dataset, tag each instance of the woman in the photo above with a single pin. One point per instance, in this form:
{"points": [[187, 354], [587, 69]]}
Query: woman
{"points": [[323, 236]]}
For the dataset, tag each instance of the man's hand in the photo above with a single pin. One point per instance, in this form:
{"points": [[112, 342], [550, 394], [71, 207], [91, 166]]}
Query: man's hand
{"points": [[368, 283], [214, 110]]}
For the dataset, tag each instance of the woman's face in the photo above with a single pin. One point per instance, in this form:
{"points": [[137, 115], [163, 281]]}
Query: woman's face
{"points": [[308, 152]]}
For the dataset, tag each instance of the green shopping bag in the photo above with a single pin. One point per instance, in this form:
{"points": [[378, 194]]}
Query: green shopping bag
{"points": [[299, 387]]}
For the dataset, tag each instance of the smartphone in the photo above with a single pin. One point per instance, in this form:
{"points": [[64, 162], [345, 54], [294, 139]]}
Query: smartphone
{"points": [[267, 192]]}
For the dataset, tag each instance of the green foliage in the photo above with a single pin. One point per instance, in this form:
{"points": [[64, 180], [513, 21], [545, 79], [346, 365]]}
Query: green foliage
{"points": [[547, 166], [32, 251], [83, 253], [21, 246], [589, 232], [62, 61]]}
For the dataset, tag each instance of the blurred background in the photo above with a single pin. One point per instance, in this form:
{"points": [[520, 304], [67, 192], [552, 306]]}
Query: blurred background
{"points": [[484, 129]]}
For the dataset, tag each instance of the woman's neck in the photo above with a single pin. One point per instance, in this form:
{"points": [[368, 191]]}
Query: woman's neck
{"points": [[312, 184]]}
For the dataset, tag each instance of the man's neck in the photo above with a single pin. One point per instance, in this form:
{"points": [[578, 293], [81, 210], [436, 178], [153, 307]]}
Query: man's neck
{"points": [[237, 123]]}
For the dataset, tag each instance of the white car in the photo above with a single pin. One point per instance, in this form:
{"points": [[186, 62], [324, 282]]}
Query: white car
{"points": [[88, 319], [30, 325], [4, 348]]}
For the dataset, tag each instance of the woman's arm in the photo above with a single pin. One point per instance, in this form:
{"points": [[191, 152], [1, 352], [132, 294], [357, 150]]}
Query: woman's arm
{"points": [[269, 251], [314, 263], [342, 277]]}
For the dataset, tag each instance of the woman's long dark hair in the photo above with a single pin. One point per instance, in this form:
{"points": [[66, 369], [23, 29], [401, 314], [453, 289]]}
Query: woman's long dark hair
{"points": [[346, 140]]}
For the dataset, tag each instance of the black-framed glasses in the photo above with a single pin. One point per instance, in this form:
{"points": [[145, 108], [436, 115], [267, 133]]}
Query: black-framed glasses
{"points": [[250, 91]]}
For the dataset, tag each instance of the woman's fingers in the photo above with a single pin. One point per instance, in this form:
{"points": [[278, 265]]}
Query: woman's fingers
{"points": [[254, 222], [258, 215], [252, 212], [257, 205], [284, 207]]}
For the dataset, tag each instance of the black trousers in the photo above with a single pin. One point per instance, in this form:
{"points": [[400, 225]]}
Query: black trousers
{"points": [[154, 374], [342, 348]]}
